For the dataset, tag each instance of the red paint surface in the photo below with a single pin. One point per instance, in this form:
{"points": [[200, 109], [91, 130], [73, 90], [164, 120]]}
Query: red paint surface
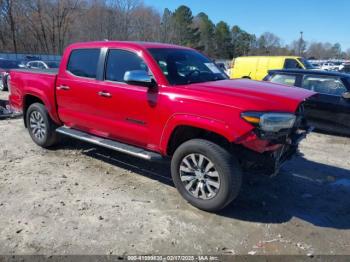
{"points": [[214, 106]]}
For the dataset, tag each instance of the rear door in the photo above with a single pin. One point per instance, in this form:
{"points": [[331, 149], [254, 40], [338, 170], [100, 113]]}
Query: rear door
{"points": [[328, 108], [78, 101]]}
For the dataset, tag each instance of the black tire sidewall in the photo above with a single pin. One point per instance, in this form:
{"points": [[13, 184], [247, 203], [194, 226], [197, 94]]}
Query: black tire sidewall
{"points": [[226, 165], [48, 140]]}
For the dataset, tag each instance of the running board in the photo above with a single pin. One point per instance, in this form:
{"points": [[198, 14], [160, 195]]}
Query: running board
{"points": [[111, 144]]}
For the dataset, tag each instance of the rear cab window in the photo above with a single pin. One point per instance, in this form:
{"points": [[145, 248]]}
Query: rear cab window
{"points": [[84, 62]]}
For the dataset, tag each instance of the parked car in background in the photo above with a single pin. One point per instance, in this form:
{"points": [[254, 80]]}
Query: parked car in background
{"points": [[316, 65], [257, 67], [5, 66], [42, 65], [329, 110], [152, 100], [329, 66]]}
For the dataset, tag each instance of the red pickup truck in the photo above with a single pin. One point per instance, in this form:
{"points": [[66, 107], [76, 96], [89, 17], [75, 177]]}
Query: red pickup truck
{"points": [[155, 101]]}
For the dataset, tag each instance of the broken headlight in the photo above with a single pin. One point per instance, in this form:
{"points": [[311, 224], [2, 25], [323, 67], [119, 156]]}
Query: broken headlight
{"points": [[270, 122]]}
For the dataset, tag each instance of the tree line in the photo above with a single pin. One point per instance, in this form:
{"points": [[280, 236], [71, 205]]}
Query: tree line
{"points": [[48, 26]]}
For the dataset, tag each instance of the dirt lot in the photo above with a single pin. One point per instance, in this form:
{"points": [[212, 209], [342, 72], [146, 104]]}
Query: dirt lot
{"points": [[79, 199]]}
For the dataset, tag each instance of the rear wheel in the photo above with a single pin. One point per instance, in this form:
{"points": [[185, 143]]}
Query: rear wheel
{"points": [[205, 174], [40, 126]]}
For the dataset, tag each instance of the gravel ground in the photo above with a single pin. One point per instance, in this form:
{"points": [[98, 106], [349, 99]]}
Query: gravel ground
{"points": [[79, 199]]}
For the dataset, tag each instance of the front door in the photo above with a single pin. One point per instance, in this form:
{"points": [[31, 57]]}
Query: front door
{"points": [[130, 111]]}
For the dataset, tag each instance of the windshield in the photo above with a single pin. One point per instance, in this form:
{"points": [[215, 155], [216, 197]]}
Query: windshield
{"points": [[182, 66], [8, 64], [306, 63]]}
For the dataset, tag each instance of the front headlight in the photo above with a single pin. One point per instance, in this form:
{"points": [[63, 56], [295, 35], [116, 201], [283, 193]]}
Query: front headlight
{"points": [[270, 122]]}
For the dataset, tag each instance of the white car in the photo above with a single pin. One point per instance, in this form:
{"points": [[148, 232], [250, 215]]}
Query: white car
{"points": [[41, 64], [329, 66]]}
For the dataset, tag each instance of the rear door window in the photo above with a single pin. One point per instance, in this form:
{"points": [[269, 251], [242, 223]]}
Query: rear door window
{"points": [[83, 62], [324, 85], [41, 65], [284, 79], [33, 64]]}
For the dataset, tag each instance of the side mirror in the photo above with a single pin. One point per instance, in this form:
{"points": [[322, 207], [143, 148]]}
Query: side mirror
{"points": [[140, 78], [346, 95]]}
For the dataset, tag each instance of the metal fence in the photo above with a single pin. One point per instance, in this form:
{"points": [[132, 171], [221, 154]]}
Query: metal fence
{"points": [[22, 57]]}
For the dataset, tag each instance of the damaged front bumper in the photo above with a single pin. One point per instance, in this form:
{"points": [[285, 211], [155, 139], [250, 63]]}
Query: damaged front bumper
{"points": [[265, 153]]}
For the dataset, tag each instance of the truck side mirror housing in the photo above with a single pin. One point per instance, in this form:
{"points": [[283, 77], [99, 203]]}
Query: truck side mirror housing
{"points": [[140, 78], [346, 95]]}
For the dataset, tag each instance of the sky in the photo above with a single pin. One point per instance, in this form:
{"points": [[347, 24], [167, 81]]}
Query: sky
{"points": [[320, 20]]}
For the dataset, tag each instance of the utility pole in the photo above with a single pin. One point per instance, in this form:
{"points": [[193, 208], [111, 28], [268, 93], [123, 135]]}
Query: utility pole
{"points": [[301, 41]]}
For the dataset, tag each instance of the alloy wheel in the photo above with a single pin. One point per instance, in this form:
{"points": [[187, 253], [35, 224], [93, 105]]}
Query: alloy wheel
{"points": [[37, 125], [199, 176]]}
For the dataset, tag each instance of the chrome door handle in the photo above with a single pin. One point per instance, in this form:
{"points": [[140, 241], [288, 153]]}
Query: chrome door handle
{"points": [[104, 94], [63, 87]]}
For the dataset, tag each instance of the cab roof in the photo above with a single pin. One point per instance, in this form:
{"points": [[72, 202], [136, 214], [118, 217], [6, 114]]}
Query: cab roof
{"points": [[131, 44], [308, 71]]}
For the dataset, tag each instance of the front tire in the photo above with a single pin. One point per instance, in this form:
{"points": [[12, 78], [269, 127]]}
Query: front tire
{"points": [[40, 126], [206, 174]]}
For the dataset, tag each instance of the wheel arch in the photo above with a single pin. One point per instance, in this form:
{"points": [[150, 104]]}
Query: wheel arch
{"points": [[181, 128], [31, 98]]}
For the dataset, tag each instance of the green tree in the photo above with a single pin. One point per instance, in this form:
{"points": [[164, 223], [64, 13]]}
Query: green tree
{"points": [[336, 51], [185, 32], [207, 32], [241, 41], [167, 27], [223, 41]]}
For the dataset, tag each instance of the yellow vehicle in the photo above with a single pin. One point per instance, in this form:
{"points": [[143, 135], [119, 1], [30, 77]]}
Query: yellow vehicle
{"points": [[257, 67]]}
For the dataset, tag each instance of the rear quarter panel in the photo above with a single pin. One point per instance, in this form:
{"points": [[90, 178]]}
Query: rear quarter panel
{"points": [[39, 85]]}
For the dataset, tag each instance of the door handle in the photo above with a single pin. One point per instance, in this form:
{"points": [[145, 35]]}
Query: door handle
{"points": [[104, 94], [63, 87]]}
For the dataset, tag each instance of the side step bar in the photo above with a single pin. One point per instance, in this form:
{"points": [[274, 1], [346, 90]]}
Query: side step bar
{"points": [[111, 144]]}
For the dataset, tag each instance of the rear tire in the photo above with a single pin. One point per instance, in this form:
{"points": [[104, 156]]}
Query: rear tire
{"points": [[205, 174], [40, 126]]}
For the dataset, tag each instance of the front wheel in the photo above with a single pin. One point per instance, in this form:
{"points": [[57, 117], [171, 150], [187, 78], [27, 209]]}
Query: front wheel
{"points": [[205, 174], [40, 126]]}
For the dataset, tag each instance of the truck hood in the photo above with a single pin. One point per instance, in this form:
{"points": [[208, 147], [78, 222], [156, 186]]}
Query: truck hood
{"points": [[253, 95]]}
